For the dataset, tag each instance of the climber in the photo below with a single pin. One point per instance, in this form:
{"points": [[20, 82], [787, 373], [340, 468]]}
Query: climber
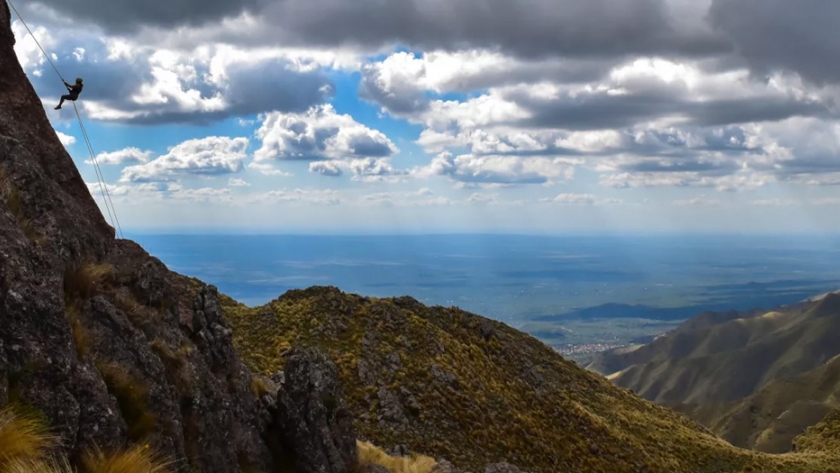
{"points": [[74, 90]]}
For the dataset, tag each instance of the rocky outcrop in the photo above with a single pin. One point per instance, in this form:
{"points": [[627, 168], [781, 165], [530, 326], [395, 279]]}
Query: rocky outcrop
{"points": [[312, 424], [443, 466], [502, 468], [96, 334]]}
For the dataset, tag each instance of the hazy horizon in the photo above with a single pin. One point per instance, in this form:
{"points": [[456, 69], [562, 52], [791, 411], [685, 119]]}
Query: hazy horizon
{"points": [[477, 269]]}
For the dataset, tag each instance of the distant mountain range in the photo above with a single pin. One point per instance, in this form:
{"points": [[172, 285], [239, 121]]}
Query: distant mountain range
{"points": [[750, 295], [757, 378]]}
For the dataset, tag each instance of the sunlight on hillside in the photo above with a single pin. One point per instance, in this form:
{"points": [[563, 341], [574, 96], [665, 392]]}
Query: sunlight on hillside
{"points": [[369, 453]]}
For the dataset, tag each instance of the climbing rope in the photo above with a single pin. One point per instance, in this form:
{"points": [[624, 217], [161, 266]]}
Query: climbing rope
{"points": [[103, 187], [36, 39]]}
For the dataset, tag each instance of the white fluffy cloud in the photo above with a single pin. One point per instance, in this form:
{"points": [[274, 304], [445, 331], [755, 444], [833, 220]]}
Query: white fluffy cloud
{"points": [[399, 82], [366, 169], [497, 169], [327, 168], [123, 156], [333, 143], [650, 99], [298, 195], [585, 199], [159, 191], [236, 182], [644, 122], [695, 201], [423, 197], [131, 81], [267, 169], [66, 140], [207, 156], [319, 133]]}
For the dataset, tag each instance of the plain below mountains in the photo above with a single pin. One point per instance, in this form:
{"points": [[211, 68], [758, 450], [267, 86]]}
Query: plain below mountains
{"points": [[757, 378]]}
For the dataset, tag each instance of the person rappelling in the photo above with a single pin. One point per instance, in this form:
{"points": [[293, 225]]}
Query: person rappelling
{"points": [[74, 90]]}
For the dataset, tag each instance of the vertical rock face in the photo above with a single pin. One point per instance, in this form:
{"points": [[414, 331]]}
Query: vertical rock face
{"points": [[314, 427], [99, 336]]}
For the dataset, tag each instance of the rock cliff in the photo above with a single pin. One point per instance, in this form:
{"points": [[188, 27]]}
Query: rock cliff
{"points": [[95, 333]]}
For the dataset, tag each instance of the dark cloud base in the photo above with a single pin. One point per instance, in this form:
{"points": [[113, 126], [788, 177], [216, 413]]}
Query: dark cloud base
{"points": [[252, 89]]}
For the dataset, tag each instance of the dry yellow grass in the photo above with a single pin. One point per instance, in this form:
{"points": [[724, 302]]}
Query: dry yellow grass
{"points": [[25, 443], [82, 338], [131, 395], [21, 436], [369, 453], [259, 386], [137, 459], [84, 281], [36, 465]]}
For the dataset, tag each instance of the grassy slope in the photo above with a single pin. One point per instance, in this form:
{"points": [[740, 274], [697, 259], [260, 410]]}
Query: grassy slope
{"points": [[732, 360], [770, 419], [475, 391], [757, 379], [823, 437]]}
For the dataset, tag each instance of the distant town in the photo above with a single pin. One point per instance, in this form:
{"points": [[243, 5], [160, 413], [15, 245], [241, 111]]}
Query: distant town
{"points": [[583, 353]]}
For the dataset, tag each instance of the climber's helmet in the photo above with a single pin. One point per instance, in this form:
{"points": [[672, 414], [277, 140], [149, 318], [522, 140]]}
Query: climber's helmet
{"points": [[78, 80]]}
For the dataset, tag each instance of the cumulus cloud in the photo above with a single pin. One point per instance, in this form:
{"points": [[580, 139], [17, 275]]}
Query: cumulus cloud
{"points": [[144, 190], [695, 201], [158, 191], [203, 194], [66, 140], [367, 169], [585, 199], [742, 181], [649, 93], [212, 155], [552, 27], [375, 169], [131, 82], [496, 169], [809, 45], [267, 169], [298, 195], [319, 133], [420, 198], [326, 168], [236, 182], [400, 82], [123, 156], [121, 16], [772, 202], [640, 92]]}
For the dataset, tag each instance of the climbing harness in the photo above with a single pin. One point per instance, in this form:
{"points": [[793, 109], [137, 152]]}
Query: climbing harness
{"points": [[106, 196]]}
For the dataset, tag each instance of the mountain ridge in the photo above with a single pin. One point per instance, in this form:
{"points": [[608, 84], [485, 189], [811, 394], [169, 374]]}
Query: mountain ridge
{"points": [[758, 379], [457, 385]]}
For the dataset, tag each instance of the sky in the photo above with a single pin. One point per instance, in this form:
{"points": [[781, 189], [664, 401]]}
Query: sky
{"points": [[394, 116]]}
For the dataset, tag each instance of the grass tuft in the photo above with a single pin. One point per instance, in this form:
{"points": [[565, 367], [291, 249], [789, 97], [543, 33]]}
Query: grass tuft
{"points": [[131, 396], [259, 386], [82, 338], [369, 453], [83, 282], [25, 440], [22, 435], [137, 459], [37, 465]]}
